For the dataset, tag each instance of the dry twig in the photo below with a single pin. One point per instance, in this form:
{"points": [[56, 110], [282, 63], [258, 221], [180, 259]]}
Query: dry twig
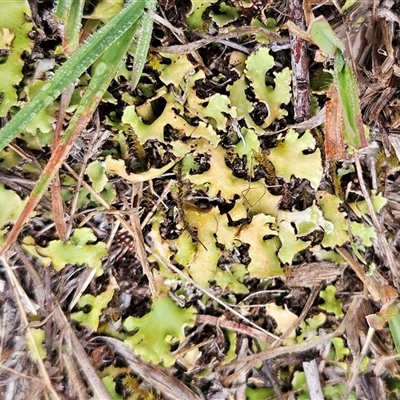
{"points": [[300, 66]]}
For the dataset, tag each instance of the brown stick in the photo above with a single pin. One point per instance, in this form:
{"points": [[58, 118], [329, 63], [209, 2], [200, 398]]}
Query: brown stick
{"points": [[300, 65]]}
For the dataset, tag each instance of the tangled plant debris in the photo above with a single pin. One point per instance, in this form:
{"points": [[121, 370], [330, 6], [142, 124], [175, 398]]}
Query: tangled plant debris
{"points": [[168, 221]]}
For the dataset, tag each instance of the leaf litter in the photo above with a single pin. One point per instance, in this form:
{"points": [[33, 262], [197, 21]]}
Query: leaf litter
{"points": [[218, 236]]}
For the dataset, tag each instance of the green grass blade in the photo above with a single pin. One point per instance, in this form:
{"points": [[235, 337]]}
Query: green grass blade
{"points": [[394, 326], [353, 134], [103, 73], [73, 68], [324, 37], [143, 43], [73, 23], [62, 8]]}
